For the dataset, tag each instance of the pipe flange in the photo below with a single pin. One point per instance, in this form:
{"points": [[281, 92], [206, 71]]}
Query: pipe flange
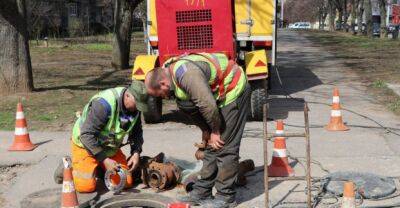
{"points": [[110, 185]]}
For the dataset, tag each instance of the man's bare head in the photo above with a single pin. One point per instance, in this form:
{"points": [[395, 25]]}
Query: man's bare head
{"points": [[158, 82]]}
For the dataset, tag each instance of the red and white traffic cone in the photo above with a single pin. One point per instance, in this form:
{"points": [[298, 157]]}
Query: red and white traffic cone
{"points": [[69, 199], [349, 200], [22, 142], [279, 166], [336, 120], [178, 205]]}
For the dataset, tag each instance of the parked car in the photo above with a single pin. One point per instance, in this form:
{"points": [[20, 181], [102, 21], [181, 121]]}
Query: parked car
{"points": [[305, 25], [363, 28], [376, 29], [393, 31], [301, 25], [294, 25]]}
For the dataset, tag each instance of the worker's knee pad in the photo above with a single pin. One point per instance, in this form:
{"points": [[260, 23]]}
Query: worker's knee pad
{"points": [[85, 185]]}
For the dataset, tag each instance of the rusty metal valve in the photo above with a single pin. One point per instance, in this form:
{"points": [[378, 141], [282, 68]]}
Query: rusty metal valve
{"points": [[159, 175]]}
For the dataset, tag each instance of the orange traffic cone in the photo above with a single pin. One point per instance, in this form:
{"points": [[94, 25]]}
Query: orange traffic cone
{"points": [[349, 200], [178, 205], [336, 121], [69, 198], [279, 166], [22, 141]]}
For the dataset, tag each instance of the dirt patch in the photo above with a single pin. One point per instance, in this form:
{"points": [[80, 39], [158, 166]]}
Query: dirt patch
{"points": [[8, 175], [65, 76], [375, 60]]}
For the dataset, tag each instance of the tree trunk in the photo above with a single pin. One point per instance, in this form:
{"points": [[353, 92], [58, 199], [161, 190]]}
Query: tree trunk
{"points": [[323, 20], [123, 17], [345, 17], [340, 18], [320, 23], [353, 16], [383, 9], [368, 17], [360, 14], [332, 15], [15, 60]]}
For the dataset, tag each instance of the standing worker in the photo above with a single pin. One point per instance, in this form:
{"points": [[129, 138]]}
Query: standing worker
{"points": [[98, 135], [214, 91]]}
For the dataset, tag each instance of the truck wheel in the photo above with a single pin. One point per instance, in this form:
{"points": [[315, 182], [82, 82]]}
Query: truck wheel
{"points": [[155, 110], [259, 97]]}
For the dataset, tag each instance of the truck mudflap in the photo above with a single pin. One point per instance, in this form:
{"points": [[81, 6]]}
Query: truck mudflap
{"points": [[256, 65], [142, 65]]}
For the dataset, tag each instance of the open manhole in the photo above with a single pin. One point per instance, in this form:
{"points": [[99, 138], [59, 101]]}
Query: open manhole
{"points": [[50, 198], [136, 200], [368, 185]]}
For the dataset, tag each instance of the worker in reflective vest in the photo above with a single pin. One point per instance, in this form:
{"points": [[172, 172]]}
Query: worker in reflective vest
{"points": [[214, 91], [98, 135]]}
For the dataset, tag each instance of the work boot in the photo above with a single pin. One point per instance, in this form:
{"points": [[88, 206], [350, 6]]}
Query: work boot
{"points": [[218, 203], [194, 199], [59, 173]]}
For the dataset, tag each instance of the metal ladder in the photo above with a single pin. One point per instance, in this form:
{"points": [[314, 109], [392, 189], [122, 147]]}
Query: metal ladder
{"points": [[270, 137]]}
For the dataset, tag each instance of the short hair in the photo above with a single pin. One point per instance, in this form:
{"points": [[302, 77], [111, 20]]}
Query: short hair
{"points": [[154, 77]]}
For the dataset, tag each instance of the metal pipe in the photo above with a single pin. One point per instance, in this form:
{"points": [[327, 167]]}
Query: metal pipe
{"points": [[265, 145], [308, 154], [290, 178], [294, 178], [272, 135]]}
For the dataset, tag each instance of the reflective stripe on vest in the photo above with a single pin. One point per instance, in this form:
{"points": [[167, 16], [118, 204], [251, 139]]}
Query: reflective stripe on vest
{"points": [[218, 84], [112, 135]]}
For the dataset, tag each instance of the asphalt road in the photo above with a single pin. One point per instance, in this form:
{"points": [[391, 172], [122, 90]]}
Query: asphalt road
{"points": [[308, 72]]}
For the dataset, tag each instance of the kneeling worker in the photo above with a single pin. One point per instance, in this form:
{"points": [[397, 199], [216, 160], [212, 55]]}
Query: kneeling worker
{"points": [[215, 92], [98, 134]]}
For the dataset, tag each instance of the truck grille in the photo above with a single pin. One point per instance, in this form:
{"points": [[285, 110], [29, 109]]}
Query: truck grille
{"points": [[193, 16], [195, 37]]}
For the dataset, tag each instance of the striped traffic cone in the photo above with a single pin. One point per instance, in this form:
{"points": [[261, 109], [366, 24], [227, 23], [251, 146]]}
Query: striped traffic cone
{"points": [[22, 141], [69, 199], [279, 166], [336, 121], [178, 205], [349, 200]]}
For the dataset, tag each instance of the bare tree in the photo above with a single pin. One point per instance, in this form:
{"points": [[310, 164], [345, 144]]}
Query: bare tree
{"points": [[322, 9], [305, 10], [346, 15], [36, 11], [44, 15], [123, 17], [339, 5], [15, 61], [108, 25], [332, 15], [360, 13], [354, 4], [140, 13], [383, 10], [368, 17]]}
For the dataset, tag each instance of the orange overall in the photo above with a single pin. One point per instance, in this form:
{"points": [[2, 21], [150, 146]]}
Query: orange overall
{"points": [[84, 169]]}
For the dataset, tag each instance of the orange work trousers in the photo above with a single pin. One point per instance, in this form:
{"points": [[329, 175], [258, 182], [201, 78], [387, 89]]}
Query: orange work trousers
{"points": [[84, 169]]}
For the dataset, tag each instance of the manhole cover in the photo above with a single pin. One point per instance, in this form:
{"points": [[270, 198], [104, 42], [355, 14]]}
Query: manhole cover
{"points": [[136, 200], [52, 198], [369, 185]]}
